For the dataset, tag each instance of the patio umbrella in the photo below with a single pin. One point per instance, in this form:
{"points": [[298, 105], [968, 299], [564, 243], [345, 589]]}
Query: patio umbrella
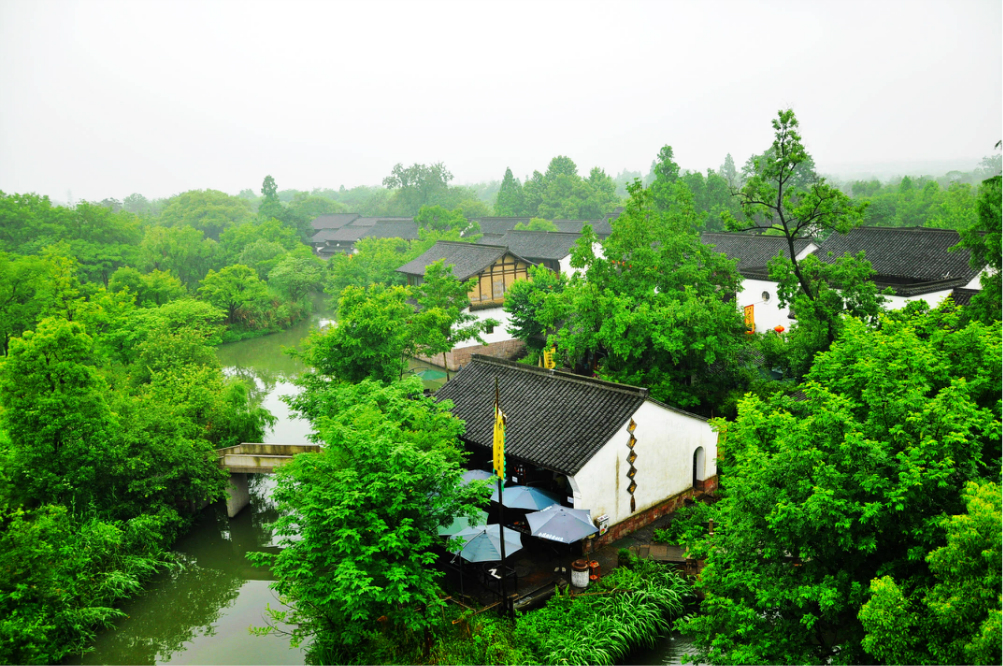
{"points": [[525, 497], [475, 475], [559, 523], [462, 522], [484, 545]]}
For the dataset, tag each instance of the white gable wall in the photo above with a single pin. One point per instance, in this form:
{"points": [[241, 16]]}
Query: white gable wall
{"points": [[666, 443], [501, 333]]}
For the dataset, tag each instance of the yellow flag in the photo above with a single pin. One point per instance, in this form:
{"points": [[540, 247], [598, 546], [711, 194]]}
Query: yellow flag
{"points": [[548, 359], [499, 443], [750, 319]]}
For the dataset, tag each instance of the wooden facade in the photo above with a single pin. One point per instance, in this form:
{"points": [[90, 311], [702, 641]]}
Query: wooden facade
{"points": [[492, 282]]}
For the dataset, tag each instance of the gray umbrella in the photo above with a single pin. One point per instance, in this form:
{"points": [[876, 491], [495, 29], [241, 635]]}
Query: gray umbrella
{"points": [[526, 497], [559, 523], [483, 544]]}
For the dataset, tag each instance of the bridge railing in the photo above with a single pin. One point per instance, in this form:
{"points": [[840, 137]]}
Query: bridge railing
{"points": [[257, 458]]}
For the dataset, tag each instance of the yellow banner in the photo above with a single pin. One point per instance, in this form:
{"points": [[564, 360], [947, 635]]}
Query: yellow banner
{"points": [[548, 359], [750, 319], [499, 443]]}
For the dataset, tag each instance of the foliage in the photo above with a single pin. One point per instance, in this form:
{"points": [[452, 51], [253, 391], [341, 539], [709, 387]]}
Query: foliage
{"points": [[373, 337], [361, 517], [649, 310], [824, 495], [183, 251], [535, 303], [603, 628], [60, 579], [509, 202], [983, 240], [957, 619], [236, 290], [210, 211], [688, 524], [438, 219], [536, 224], [416, 186], [151, 289]]}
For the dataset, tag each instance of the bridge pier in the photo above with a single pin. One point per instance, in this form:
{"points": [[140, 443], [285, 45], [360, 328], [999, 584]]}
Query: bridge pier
{"points": [[237, 494]]}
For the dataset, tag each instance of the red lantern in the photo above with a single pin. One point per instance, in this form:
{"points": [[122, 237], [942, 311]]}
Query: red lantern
{"points": [[778, 328]]}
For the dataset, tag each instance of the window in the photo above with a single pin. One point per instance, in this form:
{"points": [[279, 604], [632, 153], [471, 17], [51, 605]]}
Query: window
{"points": [[489, 329]]}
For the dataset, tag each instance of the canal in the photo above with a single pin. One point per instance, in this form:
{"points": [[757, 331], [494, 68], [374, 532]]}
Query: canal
{"points": [[200, 612]]}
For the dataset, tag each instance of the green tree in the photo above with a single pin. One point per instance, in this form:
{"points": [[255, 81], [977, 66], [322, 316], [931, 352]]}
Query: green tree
{"points": [[236, 290], [373, 338], [983, 240], [664, 188], [728, 172], [183, 251], [417, 185], [957, 620], [649, 311], [444, 319], [441, 220], [152, 289], [359, 530], [537, 306], [210, 211], [536, 224], [270, 206], [61, 429], [824, 495], [509, 202], [533, 192], [295, 277], [22, 282], [234, 240]]}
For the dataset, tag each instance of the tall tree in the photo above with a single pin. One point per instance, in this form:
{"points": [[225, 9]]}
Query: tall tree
{"points": [[270, 205], [826, 494], [983, 240], [417, 185], [728, 172], [509, 202], [209, 211]]}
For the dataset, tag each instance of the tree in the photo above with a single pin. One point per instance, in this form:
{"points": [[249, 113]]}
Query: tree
{"points": [[270, 206], [444, 319], [957, 619], [295, 277], [236, 290], [151, 290], [983, 240], [783, 194], [649, 309], [56, 415], [533, 191], [209, 211], [22, 281], [509, 202], [728, 172], [360, 518], [417, 185], [536, 224], [537, 306], [666, 171], [823, 495], [373, 339], [183, 251], [441, 220]]}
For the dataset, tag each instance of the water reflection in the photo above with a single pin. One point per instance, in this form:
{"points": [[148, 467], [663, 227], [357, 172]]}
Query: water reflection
{"points": [[670, 649], [200, 611]]}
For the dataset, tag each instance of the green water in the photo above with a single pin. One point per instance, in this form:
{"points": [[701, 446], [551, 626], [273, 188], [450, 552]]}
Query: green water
{"points": [[200, 613]]}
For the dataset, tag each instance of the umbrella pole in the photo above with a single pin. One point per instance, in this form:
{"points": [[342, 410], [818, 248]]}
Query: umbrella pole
{"points": [[501, 534]]}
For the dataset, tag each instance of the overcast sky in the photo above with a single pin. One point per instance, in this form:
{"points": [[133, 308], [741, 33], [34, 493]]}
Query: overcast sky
{"points": [[108, 98]]}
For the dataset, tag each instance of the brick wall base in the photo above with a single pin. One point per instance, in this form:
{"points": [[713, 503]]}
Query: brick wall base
{"points": [[457, 358], [648, 516]]}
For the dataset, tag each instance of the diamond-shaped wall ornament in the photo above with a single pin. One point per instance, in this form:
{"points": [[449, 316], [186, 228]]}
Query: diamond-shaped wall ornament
{"points": [[631, 472], [631, 457], [632, 442], [631, 426], [632, 488]]}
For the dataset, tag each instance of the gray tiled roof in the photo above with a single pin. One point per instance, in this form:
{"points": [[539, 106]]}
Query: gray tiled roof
{"points": [[387, 228], [333, 221], [342, 235], [904, 255], [962, 296], [752, 250], [575, 226], [499, 225], [555, 420], [539, 244], [467, 259]]}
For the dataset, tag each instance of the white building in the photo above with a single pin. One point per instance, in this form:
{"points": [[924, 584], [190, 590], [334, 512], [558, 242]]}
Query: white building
{"points": [[608, 448]]}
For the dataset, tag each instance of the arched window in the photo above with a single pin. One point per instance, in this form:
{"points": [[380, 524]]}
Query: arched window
{"points": [[699, 465]]}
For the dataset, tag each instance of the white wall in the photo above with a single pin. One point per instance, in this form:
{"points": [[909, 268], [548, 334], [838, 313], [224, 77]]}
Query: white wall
{"points": [[933, 299], [768, 312], [666, 442], [501, 333]]}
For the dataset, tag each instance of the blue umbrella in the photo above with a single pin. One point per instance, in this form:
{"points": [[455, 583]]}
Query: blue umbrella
{"points": [[559, 523], [475, 475], [484, 545], [462, 522], [525, 497]]}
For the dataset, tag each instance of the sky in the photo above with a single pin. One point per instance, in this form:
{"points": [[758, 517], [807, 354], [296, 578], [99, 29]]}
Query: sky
{"points": [[102, 99]]}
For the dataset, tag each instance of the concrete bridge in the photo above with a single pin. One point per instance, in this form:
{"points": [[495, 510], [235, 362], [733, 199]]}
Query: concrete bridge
{"points": [[245, 459]]}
